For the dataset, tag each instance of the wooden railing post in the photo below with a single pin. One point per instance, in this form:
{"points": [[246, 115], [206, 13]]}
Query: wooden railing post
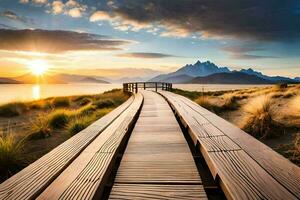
{"points": [[136, 87]]}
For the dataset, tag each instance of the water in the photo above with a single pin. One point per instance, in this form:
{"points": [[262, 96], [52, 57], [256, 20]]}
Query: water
{"points": [[214, 87], [29, 92]]}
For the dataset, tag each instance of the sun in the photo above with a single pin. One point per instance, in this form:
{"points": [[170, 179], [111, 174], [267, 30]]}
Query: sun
{"points": [[38, 67]]}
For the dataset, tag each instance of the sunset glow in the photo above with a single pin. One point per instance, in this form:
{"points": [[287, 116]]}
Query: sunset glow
{"points": [[38, 67]]}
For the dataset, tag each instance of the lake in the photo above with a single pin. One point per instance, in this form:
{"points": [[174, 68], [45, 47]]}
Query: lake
{"points": [[28, 92]]}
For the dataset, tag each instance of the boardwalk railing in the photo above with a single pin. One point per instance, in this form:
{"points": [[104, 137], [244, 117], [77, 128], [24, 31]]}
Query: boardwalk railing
{"points": [[133, 87]]}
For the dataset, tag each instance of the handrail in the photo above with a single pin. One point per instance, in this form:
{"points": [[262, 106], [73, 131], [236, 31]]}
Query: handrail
{"points": [[133, 86]]}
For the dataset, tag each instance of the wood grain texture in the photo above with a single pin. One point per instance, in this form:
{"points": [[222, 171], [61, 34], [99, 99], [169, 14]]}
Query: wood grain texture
{"points": [[86, 175], [157, 153], [152, 191], [33, 179], [274, 171]]}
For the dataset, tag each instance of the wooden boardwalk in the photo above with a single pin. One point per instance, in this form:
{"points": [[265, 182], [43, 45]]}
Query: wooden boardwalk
{"points": [[157, 162]]}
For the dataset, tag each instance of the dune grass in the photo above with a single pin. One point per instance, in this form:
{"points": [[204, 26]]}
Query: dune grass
{"points": [[59, 118], [46, 118], [259, 120], [78, 124], [13, 109], [40, 129], [295, 104], [10, 154], [61, 102], [106, 103]]}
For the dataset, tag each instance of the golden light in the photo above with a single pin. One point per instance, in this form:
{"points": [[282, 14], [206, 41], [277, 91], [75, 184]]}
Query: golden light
{"points": [[38, 67]]}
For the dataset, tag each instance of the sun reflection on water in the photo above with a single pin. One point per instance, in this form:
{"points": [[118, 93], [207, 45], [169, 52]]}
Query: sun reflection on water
{"points": [[36, 92]]}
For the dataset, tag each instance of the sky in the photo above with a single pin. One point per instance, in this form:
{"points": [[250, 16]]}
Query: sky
{"points": [[149, 36]]}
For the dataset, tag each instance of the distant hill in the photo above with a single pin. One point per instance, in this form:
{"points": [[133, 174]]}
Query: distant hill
{"points": [[32, 79], [272, 78], [92, 80], [58, 79], [230, 78], [8, 81]]}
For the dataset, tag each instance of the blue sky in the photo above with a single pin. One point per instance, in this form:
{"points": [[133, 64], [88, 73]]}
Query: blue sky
{"points": [[155, 34]]}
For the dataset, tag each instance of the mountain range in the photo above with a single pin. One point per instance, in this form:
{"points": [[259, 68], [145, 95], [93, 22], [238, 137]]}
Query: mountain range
{"points": [[209, 73], [54, 79], [200, 72]]}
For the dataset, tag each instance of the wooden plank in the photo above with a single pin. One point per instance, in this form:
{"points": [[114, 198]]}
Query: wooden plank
{"points": [[29, 182], [85, 177], [219, 143], [151, 191], [278, 171], [156, 154], [242, 178]]}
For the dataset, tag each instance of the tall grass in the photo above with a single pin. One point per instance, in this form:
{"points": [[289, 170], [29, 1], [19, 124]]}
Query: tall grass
{"points": [[59, 118], [259, 120], [12, 109], [78, 124], [295, 104], [40, 129], [230, 101], [10, 154], [61, 102]]}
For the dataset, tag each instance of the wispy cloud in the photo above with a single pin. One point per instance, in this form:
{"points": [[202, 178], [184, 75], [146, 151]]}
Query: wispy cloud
{"points": [[144, 55], [245, 52], [56, 41]]}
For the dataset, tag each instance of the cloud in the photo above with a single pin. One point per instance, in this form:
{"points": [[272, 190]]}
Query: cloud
{"points": [[75, 12], [13, 16], [24, 1], [71, 8], [268, 20], [100, 16], [56, 41], [145, 55], [244, 52], [39, 1], [57, 7]]}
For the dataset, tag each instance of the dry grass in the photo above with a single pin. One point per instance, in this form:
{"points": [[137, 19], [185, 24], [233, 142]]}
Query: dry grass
{"points": [[10, 154], [40, 129], [295, 104], [12, 109], [205, 102], [259, 120], [59, 118], [78, 124], [61, 102], [230, 101]]}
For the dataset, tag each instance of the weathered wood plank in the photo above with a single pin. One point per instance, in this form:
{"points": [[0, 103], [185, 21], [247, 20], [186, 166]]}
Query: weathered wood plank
{"points": [[85, 177], [33, 179], [275, 171], [151, 191], [156, 154]]}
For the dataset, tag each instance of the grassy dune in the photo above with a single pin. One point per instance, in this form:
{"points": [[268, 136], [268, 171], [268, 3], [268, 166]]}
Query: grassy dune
{"points": [[270, 114], [28, 130]]}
